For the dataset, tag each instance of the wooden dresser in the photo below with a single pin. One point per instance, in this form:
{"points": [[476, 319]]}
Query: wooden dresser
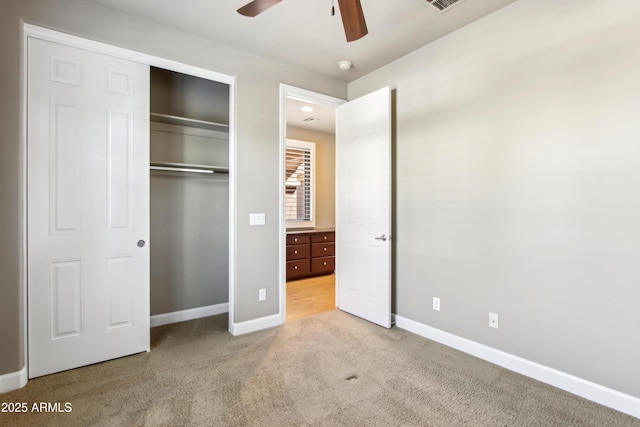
{"points": [[310, 253]]}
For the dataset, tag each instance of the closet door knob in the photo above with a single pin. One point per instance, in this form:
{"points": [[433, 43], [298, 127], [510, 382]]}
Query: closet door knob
{"points": [[141, 243]]}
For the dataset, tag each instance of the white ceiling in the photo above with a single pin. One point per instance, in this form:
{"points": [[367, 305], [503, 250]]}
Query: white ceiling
{"points": [[303, 33]]}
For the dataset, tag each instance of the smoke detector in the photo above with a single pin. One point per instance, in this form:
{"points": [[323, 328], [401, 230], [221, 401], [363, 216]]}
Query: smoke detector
{"points": [[345, 65]]}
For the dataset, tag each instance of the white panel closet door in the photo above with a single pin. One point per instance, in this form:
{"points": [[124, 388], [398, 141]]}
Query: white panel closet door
{"points": [[88, 207], [363, 211]]}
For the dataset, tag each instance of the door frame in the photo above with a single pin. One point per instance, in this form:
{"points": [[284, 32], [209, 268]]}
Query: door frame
{"points": [[34, 31], [287, 91]]}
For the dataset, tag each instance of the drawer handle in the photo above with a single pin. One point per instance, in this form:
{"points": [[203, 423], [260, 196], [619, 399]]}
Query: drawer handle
{"points": [[324, 249], [325, 263], [295, 267], [325, 237], [295, 240], [295, 252]]}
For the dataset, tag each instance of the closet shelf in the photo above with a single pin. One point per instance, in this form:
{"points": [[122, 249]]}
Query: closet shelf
{"points": [[187, 167], [184, 121]]}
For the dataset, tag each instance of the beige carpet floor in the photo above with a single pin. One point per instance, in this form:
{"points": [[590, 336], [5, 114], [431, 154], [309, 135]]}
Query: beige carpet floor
{"points": [[330, 369]]}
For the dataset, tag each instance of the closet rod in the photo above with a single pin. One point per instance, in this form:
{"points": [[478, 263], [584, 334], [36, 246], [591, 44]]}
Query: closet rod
{"points": [[174, 169], [188, 167]]}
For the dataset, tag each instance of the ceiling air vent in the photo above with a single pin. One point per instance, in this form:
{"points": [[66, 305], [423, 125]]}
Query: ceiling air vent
{"points": [[444, 5]]}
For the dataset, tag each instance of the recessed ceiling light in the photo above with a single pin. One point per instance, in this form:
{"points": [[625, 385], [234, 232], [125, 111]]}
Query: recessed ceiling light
{"points": [[307, 108]]}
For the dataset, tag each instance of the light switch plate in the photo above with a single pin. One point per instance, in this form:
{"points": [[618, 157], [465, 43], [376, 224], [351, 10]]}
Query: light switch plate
{"points": [[256, 219]]}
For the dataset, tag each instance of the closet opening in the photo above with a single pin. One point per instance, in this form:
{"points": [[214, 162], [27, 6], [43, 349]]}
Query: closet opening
{"points": [[189, 196]]}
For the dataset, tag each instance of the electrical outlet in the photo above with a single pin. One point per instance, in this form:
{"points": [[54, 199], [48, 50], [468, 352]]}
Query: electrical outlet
{"points": [[436, 303], [493, 320], [262, 294]]}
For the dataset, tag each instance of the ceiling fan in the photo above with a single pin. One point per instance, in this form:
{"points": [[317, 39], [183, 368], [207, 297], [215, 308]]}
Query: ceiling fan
{"points": [[350, 10]]}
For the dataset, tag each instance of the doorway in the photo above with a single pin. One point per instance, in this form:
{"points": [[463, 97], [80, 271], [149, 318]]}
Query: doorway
{"points": [[307, 279]]}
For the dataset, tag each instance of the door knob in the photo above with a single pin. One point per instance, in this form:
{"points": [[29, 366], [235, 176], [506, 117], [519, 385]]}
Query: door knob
{"points": [[383, 238], [141, 243]]}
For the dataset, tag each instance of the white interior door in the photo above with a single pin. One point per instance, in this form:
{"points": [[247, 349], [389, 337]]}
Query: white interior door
{"points": [[88, 207], [363, 207]]}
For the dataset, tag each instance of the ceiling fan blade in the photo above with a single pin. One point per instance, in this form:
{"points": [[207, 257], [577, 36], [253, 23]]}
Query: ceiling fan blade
{"points": [[256, 7], [352, 19]]}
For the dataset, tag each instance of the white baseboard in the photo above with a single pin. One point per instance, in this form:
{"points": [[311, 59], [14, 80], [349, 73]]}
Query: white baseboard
{"points": [[597, 393], [255, 325], [184, 315], [13, 380]]}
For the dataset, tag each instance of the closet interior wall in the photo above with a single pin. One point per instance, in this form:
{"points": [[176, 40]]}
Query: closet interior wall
{"points": [[189, 192]]}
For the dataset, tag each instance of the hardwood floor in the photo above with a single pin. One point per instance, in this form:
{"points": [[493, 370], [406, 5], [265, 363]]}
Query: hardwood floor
{"points": [[310, 296]]}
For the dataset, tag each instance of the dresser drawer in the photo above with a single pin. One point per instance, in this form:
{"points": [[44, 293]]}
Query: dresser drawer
{"points": [[323, 265], [297, 252], [322, 249], [329, 236], [297, 239], [310, 253], [298, 268]]}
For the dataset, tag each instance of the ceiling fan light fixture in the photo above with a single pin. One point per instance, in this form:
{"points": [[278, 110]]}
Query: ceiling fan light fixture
{"points": [[345, 65]]}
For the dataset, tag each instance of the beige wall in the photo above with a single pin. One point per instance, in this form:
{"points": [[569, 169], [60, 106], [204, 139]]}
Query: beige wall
{"points": [[518, 183], [257, 153], [325, 173]]}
